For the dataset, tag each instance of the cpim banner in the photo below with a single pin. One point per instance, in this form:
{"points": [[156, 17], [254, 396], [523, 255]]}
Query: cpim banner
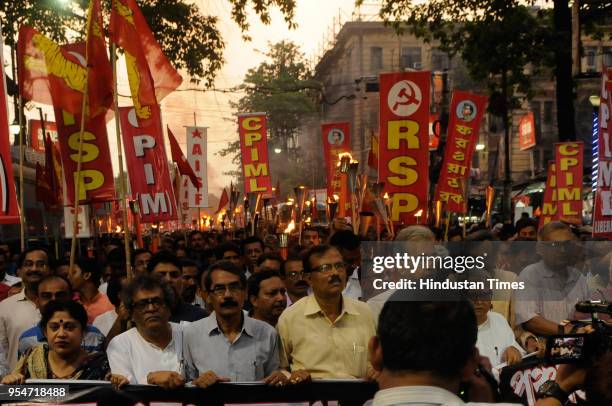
{"points": [[147, 165], [602, 210], [404, 142], [467, 110], [196, 156], [336, 141], [253, 132], [569, 157]]}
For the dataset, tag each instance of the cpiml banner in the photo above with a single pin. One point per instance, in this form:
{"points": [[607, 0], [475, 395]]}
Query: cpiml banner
{"points": [[148, 165], [404, 142], [569, 157], [253, 133], [467, 110]]}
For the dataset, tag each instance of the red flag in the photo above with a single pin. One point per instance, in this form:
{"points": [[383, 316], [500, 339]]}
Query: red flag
{"points": [[100, 76], [223, 202], [150, 74], [178, 157]]}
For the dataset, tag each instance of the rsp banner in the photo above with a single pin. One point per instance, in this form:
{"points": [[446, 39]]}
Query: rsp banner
{"points": [[253, 132], [404, 142], [196, 156]]}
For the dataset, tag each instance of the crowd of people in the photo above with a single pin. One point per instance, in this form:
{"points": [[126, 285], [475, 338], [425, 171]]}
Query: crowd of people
{"points": [[210, 307]]}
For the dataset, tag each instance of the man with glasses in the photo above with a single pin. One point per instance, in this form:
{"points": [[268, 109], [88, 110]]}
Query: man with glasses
{"points": [[325, 335], [228, 345], [19, 312], [54, 287], [552, 285], [296, 282], [151, 352]]}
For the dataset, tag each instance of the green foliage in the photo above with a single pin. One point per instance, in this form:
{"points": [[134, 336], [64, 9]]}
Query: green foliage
{"points": [[190, 39]]}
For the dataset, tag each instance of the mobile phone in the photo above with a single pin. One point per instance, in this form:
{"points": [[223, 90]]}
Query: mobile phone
{"points": [[565, 349]]}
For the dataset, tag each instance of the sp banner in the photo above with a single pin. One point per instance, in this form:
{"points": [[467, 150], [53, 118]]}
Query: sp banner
{"points": [[196, 156], [253, 131], [336, 141], [147, 165], [569, 158], [97, 184], [602, 210], [467, 110], [404, 142]]}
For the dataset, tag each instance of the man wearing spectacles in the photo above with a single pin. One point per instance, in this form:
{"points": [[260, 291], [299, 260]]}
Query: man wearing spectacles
{"points": [[19, 312], [228, 345], [151, 352], [56, 288], [325, 335], [296, 281]]}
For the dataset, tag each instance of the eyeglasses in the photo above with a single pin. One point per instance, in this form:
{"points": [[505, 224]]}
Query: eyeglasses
{"points": [[233, 287], [327, 268], [141, 305], [296, 275]]}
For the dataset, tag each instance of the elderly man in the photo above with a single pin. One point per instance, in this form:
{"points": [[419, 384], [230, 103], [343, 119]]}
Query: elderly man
{"points": [[267, 295], [552, 287], [151, 352], [326, 334], [167, 266], [227, 345], [19, 312]]}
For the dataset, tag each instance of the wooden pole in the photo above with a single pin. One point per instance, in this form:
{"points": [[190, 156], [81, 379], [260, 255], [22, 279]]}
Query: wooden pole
{"points": [[122, 186], [21, 158]]}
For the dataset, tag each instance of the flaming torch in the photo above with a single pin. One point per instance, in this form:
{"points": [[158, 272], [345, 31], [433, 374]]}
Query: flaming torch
{"points": [[283, 240]]}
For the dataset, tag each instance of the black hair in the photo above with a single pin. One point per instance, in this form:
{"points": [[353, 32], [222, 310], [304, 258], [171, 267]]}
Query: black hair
{"points": [[163, 257], [311, 228], [291, 258], [141, 251], [273, 256], [526, 223], [74, 309], [185, 262], [113, 291], [228, 246], [148, 282], [55, 277], [226, 266], [255, 280], [251, 240], [91, 266], [317, 250], [22, 256], [345, 240], [437, 337]]}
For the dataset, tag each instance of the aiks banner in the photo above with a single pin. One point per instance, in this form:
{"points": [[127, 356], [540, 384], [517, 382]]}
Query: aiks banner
{"points": [[147, 165], [466, 113], [253, 132], [336, 141], [404, 142]]}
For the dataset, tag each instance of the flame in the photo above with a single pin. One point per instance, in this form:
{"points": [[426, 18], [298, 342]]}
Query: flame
{"points": [[308, 203], [118, 229], [308, 220], [336, 198], [386, 196], [290, 227], [418, 213], [220, 216]]}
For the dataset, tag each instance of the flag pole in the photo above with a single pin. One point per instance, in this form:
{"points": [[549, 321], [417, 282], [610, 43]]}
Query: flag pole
{"points": [[21, 157], [122, 186]]}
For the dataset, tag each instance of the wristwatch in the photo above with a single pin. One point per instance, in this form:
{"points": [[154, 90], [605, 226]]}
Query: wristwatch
{"points": [[551, 389]]}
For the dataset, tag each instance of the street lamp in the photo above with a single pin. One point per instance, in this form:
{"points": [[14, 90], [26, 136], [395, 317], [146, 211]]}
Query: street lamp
{"points": [[595, 101], [277, 150], [480, 147]]}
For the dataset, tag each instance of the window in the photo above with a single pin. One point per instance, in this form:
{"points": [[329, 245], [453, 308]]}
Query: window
{"points": [[548, 113], [590, 53], [376, 58], [607, 57], [411, 58], [439, 60]]}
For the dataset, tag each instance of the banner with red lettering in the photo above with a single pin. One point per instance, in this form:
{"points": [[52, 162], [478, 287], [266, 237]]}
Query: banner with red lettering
{"points": [[569, 157], [404, 142], [602, 210], [527, 134], [9, 211], [467, 110], [336, 141], [253, 132], [196, 156], [147, 165], [96, 176], [549, 198]]}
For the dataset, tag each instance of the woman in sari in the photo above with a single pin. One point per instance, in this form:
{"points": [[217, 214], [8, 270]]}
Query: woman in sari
{"points": [[62, 357]]}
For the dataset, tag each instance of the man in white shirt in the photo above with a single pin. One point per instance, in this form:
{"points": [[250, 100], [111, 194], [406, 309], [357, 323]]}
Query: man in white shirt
{"points": [[19, 312], [423, 351], [151, 352]]}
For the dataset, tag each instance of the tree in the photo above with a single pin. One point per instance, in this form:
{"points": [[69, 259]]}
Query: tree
{"points": [[282, 87], [190, 39]]}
